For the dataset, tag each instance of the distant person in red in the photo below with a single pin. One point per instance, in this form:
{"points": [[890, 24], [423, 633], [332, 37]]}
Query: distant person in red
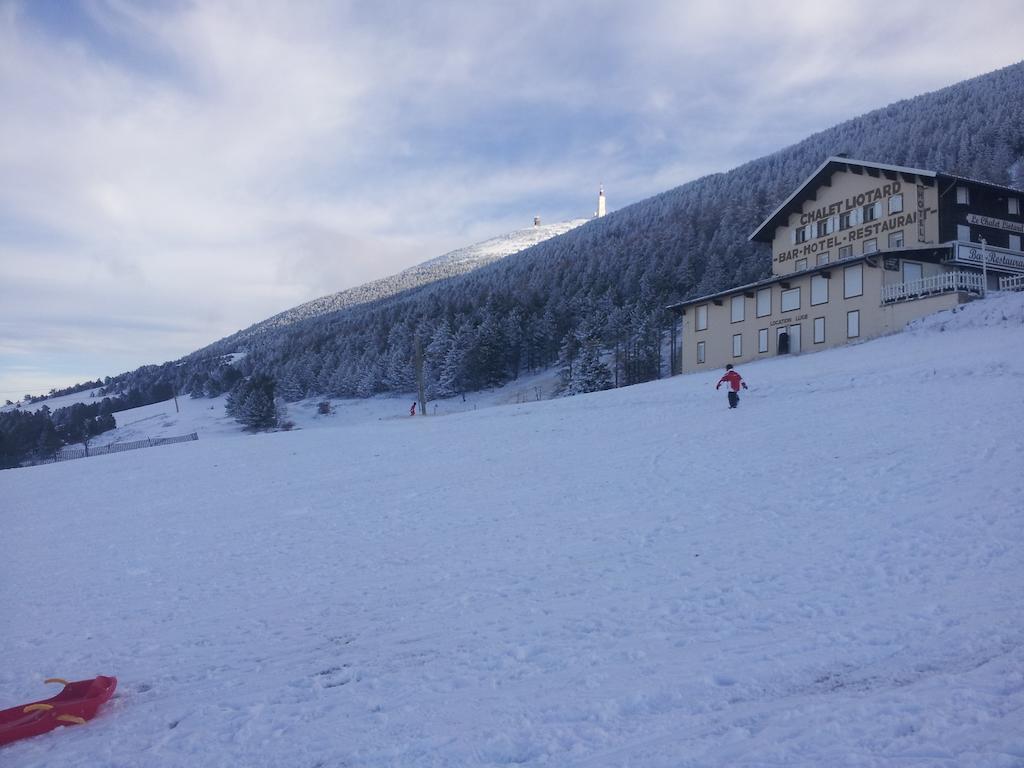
{"points": [[735, 381], [412, 408]]}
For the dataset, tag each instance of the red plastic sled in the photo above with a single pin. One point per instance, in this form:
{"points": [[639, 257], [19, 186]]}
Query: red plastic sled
{"points": [[74, 705]]}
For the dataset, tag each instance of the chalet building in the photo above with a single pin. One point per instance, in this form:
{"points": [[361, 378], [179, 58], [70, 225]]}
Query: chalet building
{"points": [[859, 250]]}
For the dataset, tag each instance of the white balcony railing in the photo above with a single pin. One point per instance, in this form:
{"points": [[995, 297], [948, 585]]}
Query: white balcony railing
{"points": [[947, 281], [1011, 283]]}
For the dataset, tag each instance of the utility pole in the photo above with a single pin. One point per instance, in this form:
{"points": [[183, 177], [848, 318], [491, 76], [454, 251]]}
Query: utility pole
{"points": [[418, 363], [984, 267]]}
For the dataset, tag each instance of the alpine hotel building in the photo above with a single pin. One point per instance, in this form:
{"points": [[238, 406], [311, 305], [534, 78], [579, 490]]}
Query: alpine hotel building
{"points": [[859, 250]]}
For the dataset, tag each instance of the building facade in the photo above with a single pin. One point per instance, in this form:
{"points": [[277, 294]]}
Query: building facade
{"points": [[859, 250]]}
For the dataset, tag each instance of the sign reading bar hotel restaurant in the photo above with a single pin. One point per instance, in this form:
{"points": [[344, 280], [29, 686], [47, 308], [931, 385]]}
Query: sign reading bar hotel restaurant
{"points": [[988, 221], [998, 258]]}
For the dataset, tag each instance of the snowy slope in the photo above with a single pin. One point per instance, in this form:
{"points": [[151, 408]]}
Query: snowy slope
{"points": [[450, 264], [830, 575]]}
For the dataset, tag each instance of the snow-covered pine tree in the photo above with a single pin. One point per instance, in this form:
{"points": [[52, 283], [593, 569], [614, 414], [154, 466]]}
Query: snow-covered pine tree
{"points": [[290, 387], [591, 374], [436, 353], [251, 403], [399, 375], [257, 410], [514, 341], [567, 356], [454, 377]]}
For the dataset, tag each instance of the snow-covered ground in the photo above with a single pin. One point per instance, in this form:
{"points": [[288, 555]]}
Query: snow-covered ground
{"points": [[830, 575], [206, 416]]}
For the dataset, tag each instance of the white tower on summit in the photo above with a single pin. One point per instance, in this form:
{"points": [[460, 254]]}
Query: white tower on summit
{"points": [[600, 201]]}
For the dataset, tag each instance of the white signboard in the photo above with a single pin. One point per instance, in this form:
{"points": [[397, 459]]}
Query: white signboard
{"points": [[998, 259]]}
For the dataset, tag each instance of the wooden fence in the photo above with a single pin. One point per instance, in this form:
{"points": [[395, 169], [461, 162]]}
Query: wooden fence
{"points": [[150, 442], [1012, 283]]}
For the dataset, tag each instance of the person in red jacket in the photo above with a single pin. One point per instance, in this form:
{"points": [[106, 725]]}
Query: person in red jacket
{"points": [[735, 381]]}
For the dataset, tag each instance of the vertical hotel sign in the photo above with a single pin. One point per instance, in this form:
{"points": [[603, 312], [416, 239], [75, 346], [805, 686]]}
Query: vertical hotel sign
{"points": [[920, 214]]}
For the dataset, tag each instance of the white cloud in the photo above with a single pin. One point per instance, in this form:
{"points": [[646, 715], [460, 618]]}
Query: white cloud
{"points": [[202, 166]]}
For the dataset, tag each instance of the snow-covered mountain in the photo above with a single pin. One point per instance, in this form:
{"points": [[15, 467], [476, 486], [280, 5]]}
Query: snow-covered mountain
{"points": [[457, 262], [607, 282], [828, 576], [610, 280]]}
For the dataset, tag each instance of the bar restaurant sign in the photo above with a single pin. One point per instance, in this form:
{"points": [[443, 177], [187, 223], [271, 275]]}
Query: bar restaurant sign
{"points": [[994, 258]]}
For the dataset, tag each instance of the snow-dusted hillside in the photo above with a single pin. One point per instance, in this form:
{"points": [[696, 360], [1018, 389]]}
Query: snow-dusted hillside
{"points": [[828, 576], [456, 262]]}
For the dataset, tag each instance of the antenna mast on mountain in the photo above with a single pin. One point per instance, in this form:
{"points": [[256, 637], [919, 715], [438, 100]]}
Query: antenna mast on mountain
{"points": [[600, 201]]}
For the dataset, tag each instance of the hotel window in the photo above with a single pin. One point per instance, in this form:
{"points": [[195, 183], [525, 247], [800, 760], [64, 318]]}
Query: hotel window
{"points": [[1014, 242], [823, 258], [845, 251], [896, 239], [824, 227], [896, 203], [963, 196], [800, 235], [762, 340], [853, 324], [791, 300], [844, 220], [801, 264], [701, 317], [912, 271], [963, 232], [871, 245], [737, 344], [764, 302], [872, 212], [853, 281], [1013, 205], [736, 308], [819, 330], [819, 290], [700, 351]]}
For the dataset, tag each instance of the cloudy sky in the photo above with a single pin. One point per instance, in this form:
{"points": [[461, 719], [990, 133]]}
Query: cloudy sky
{"points": [[171, 172]]}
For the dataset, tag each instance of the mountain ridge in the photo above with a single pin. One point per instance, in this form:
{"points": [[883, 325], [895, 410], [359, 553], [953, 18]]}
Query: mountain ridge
{"points": [[602, 288], [451, 264]]}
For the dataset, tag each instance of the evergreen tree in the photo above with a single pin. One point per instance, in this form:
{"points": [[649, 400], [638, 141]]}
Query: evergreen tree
{"points": [[591, 374], [47, 441], [398, 364], [567, 355], [514, 340], [436, 353], [487, 354], [291, 388], [257, 410], [454, 376], [367, 376], [251, 403]]}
